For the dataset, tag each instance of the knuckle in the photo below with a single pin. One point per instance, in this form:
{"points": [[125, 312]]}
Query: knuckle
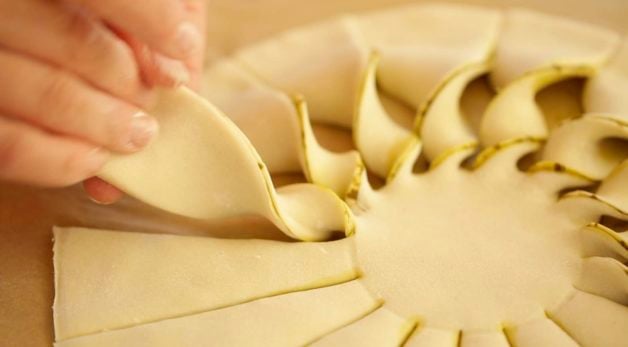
{"points": [[59, 98], [91, 42], [84, 33], [100, 55]]}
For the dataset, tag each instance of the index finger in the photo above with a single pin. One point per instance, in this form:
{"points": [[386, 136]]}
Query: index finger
{"points": [[162, 24]]}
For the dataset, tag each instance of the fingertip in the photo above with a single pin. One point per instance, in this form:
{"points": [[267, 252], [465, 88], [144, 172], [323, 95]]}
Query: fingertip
{"points": [[164, 71], [195, 69], [161, 24], [101, 192], [89, 162], [37, 157], [174, 72], [85, 161], [156, 69]]}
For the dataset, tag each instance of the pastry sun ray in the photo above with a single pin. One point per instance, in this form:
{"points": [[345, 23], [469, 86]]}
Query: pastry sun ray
{"points": [[378, 138], [598, 240], [208, 153], [340, 172], [364, 197], [295, 202], [555, 177], [514, 113], [451, 160], [292, 319], [380, 328], [404, 164], [587, 207], [580, 145], [500, 161], [443, 126], [108, 280]]}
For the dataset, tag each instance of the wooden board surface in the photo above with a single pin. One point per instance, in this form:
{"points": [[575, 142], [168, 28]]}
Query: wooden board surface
{"points": [[27, 214]]}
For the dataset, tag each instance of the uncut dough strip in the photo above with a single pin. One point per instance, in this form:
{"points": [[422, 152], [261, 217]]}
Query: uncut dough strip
{"points": [[379, 329], [107, 280], [483, 339], [292, 319], [323, 62], [425, 336], [592, 320], [540, 332]]}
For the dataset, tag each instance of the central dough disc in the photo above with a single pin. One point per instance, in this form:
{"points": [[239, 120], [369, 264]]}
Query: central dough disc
{"points": [[460, 250]]}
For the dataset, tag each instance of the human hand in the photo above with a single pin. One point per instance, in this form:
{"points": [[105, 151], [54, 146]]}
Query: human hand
{"points": [[77, 75]]}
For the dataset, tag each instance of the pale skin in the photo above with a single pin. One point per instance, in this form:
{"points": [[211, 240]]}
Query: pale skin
{"points": [[77, 76]]}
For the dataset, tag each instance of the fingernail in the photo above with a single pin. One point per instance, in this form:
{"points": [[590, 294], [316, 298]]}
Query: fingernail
{"points": [[174, 70], [101, 192], [188, 39], [143, 130], [99, 202]]}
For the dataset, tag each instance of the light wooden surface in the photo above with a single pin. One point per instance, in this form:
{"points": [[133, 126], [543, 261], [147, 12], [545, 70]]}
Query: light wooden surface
{"points": [[27, 214]]}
